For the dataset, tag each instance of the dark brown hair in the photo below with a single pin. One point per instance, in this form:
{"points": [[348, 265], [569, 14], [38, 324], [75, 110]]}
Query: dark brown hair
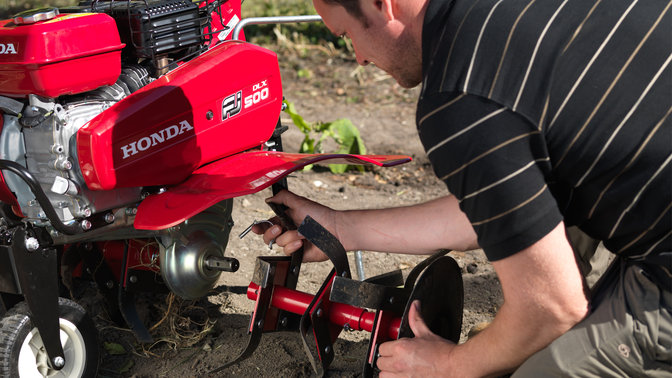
{"points": [[352, 7]]}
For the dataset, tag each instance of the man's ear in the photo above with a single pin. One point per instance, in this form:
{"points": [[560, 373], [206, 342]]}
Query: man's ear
{"points": [[386, 8]]}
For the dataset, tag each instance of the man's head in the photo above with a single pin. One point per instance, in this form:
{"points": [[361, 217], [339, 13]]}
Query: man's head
{"points": [[386, 33]]}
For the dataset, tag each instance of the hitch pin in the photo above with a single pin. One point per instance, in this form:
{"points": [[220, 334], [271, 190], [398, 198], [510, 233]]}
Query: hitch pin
{"points": [[256, 222]]}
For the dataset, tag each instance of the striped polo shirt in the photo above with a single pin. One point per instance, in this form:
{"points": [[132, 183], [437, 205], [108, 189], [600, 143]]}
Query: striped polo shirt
{"points": [[537, 111]]}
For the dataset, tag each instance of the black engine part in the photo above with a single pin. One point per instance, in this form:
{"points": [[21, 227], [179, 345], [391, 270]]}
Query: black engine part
{"points": [[152, 28]]}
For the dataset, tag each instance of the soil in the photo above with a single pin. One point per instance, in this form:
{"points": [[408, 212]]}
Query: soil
{"points": [[194, 337]]}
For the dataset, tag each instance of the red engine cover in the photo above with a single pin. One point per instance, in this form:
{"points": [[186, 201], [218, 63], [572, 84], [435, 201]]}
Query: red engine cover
{"points": [[71, 53], [226, 101]]}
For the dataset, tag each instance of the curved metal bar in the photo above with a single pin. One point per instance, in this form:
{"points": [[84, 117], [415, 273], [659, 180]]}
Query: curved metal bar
{"points": [[41, 197], [272, 20]]}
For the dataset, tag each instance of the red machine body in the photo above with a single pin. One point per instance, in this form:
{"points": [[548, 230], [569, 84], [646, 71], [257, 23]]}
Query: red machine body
{"points": [[50, 58], [226, 101], [222, 27]]}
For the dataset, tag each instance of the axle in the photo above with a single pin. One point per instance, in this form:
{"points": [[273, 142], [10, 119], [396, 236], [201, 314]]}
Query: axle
{"points": [[347, 316]]}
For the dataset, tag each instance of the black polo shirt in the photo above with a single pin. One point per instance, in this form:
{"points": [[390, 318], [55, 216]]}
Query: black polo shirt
{"points": [[537, 111]]}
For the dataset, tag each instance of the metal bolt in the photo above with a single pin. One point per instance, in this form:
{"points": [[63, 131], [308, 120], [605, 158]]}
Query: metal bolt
{"points": [[86, 225], [345, 274], [347, 328], [109, 217], [319, 312], [295, 270], [131, 211], [284, 322], [57, 149], [85, 212], [58, 362], [260, 323], [391, 300], [209, 115], [65, 165], [327, 349], [109, 284], [133, 279], [32, 244]]}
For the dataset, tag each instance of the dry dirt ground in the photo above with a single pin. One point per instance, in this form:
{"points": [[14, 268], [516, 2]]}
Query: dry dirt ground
{"points": [[195, 337]]}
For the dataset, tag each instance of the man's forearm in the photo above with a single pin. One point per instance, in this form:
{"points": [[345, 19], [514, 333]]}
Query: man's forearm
{"points": [[417, 229], [543, 298], [506, 343]]}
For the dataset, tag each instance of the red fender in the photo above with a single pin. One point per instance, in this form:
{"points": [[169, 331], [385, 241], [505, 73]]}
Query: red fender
{"points": [[235, 176]]}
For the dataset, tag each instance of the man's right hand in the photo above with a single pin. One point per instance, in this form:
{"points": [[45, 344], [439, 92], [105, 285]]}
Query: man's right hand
{"points": [[297, 209]]}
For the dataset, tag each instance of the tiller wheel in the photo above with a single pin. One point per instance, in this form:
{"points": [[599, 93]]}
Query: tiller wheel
{"points": [[379, 305]]}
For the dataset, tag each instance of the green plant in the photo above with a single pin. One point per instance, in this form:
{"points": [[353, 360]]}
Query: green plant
{"points": [[342, 131]]}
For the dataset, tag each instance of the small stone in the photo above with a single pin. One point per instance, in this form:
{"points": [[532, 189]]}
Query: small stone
{"points": [[472, 268], [477, 329]]}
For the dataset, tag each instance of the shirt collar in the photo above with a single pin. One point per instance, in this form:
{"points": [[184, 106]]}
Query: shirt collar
{"points": [[435, 18]]}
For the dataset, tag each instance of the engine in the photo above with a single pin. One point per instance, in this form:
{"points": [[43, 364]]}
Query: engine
{"points": [[66, 121], [44, 136], [107, 102]]}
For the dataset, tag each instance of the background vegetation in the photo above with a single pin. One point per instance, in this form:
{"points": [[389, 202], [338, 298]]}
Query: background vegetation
{"points": [[298, 33]]}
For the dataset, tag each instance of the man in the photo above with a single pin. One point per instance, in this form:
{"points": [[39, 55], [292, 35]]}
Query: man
{"points": [[538, 115]]}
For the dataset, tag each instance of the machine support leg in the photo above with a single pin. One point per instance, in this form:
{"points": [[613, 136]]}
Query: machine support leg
{"points": [[37, 270]]}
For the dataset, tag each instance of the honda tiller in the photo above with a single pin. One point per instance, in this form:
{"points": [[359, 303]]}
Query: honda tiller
{"points": [[126, 129]]}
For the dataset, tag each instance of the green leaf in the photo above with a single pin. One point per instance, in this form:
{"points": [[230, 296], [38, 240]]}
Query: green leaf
{"points": [[304, 73], [349, 141], [296, 118], [127, 366], [307, 146], [114, 348], [342, 131]]}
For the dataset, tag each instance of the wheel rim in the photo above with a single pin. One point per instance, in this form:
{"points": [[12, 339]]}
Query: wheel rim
{"points": [[33, 356]]}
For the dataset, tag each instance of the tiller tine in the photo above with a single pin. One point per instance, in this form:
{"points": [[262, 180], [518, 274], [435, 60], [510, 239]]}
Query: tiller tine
{"points": [[379, 305]]}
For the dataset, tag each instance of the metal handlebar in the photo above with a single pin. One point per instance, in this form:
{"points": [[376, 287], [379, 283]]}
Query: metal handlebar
{"points": [[272, 20]]}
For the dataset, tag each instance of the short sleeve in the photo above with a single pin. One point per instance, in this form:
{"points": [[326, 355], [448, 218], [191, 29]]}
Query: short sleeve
{"points": [[495, 162]]}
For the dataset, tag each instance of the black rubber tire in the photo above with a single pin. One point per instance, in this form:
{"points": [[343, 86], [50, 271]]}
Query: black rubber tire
{"points": [[16, 325]]}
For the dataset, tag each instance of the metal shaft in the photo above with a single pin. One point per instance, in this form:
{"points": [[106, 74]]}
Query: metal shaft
{"points": [[297, 302], [224, 264]]}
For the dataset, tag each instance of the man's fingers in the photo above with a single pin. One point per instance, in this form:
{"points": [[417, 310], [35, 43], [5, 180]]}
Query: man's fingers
{"points": [[288, 241], [416, 322], [269, 233], [284, 197]]}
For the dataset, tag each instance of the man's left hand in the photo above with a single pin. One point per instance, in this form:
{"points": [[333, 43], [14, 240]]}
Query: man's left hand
{"points": [[421, 356]]}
